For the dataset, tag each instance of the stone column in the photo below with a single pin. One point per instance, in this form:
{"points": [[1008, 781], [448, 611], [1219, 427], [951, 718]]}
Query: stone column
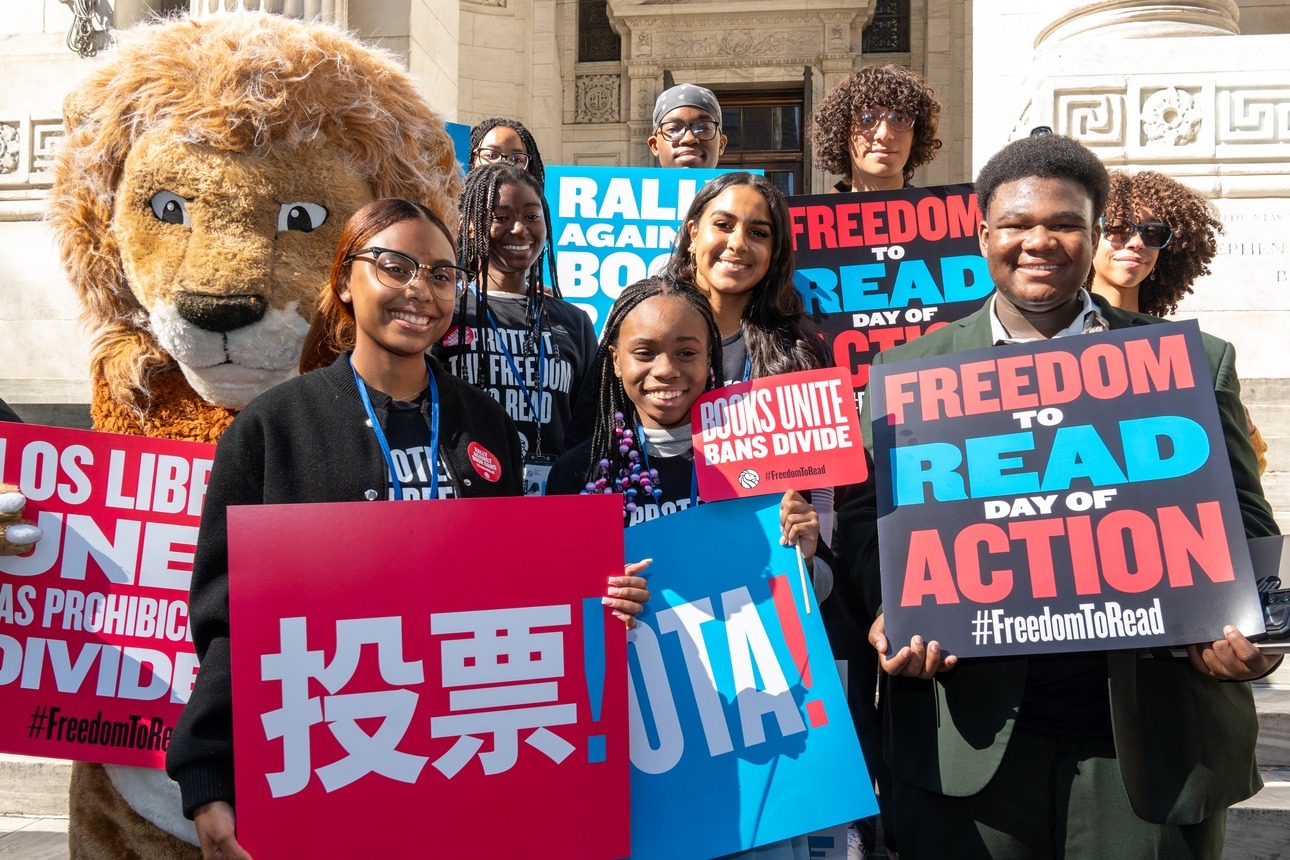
{"points": [[1128, 19], [305, 10]]}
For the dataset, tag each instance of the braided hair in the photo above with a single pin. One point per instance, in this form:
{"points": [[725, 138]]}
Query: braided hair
{"points": [[777, 334], [477, 204], [616, 463], [480, 131]]}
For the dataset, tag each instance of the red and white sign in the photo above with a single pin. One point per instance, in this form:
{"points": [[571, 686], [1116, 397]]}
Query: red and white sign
{"points": [[96, 660], [796, 431], [444, 668]]}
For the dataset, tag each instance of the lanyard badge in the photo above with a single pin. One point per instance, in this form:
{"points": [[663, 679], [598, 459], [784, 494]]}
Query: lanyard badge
{"points": [[385, 445]]}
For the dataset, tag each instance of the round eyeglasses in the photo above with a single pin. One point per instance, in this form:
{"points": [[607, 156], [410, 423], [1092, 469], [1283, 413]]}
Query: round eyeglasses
{"points": [[674, 130], [1155, 234], [867, 119], [489, 155], [397, 270]]}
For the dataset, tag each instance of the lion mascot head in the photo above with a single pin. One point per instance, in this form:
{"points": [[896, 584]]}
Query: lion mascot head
{"points": [[207, 171], [198, 197]]}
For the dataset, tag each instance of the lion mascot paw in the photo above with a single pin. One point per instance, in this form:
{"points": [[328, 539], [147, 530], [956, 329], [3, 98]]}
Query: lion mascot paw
{"points": [[198, 198], [16, 534]]}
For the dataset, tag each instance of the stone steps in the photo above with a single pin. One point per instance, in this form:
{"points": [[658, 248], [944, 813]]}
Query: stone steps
{"points": [[33, 793]]}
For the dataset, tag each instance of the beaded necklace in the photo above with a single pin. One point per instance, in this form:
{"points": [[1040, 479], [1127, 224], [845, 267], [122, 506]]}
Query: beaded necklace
{"points": [[634, 474]]}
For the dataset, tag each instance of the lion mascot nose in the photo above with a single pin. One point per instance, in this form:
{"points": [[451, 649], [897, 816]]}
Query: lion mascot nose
{"points": [[220, 313]]}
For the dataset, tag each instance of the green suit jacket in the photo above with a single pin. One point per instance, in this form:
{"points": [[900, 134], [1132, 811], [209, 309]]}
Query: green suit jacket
{"points": [[1185, 742]]}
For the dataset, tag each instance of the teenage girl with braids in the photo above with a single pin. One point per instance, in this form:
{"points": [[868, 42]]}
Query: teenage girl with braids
{"points": [[736, 245], [501, 139], [660, 351], [525, 346]]}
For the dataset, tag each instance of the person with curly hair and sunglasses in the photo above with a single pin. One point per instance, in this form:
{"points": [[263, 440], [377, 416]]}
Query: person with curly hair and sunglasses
{"points": [[1158, 237], [875, 128]]}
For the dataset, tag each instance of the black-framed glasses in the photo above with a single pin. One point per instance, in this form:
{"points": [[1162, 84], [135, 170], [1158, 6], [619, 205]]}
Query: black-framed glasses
{"points": [[674, 130], [1155, 234], [491, 156], [867, 119], [397, 270]]}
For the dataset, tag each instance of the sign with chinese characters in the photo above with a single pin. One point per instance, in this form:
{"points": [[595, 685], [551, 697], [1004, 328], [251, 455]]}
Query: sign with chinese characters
{"points": [[740, 730], [409, 677], [1072, 494], [96, 660], [793, 431], [884, 267]]}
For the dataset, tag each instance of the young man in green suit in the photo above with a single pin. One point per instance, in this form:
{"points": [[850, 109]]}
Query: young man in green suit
{"points": [[1094, 755]]}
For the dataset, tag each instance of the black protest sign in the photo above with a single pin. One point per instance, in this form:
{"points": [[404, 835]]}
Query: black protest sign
{"points": [[1073, 494], [880, 268]]}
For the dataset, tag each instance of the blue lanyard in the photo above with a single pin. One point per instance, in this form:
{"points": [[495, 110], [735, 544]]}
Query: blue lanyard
{"points": [[747, 367], [385, 446], [694, 477], [515, 371]]}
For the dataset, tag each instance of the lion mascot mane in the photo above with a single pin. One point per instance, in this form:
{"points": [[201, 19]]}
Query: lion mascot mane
{"points": [[198, 196]]}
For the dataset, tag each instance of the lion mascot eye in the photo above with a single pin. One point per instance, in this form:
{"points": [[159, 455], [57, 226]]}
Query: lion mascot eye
{"points": [[305, 217], [169, 208]]}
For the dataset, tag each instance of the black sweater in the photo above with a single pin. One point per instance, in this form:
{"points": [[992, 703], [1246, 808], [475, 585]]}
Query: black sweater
{"points": [[306, 440]]}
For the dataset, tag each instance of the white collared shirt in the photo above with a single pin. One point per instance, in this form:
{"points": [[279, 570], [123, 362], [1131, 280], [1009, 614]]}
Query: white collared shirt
{"points": [[1089, 319]]}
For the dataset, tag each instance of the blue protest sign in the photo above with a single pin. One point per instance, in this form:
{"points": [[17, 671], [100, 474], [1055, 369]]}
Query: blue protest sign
{"points": [[460, 135], [613, 226], [740, 733]]}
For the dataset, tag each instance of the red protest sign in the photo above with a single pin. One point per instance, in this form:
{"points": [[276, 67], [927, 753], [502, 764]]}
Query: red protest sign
{"points": [[398, 663], [96, 660], [796, 431]]}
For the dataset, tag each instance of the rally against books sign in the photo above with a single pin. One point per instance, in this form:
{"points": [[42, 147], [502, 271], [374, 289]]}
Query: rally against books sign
{"points": [[614, 226], [885, 267], [740, 731], [795, 431], [96, 660], [393, 664], [1067, 495]]}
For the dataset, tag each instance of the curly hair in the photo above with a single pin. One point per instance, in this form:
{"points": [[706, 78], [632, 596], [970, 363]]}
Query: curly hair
{"points": [[1193, 246], [1048, 156], [245, 83], [479, 131], [778, 336], [889, 86]]}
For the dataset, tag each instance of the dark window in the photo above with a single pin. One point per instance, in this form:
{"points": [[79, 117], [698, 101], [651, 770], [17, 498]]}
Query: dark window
{"points": [[765, 130], [888, 32], [597, 41]]}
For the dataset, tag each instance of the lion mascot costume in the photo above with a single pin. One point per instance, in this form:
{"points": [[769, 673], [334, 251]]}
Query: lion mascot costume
{"points": [[198, 197]]}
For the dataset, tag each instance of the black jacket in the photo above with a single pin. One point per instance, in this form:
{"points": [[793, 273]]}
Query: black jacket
{"points": [[306, 440]]}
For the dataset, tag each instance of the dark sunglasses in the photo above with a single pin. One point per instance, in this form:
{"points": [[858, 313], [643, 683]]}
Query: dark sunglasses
{"points": [[1154, 233]]}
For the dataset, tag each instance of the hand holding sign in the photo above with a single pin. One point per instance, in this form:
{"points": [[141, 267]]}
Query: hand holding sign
{"points": [[916, 660], [1232, 658]]}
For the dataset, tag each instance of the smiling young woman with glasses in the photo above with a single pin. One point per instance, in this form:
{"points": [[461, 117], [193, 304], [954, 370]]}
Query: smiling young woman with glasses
{"points": [[499, 139], [875, 128], [375, 420]]}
